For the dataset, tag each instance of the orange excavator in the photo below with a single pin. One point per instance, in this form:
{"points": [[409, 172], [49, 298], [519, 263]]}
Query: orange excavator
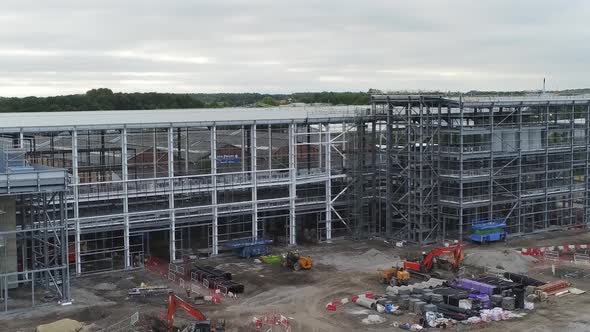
{"points": [[426, 264], [202, 324]]}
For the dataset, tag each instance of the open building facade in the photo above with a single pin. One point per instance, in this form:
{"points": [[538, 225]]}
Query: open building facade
{"points": [[85, 192]]}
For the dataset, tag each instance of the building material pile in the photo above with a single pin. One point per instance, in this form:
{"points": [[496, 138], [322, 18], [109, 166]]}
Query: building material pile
{"points": [[554, 287], [215, 279], [149, 291], [442, 303]]}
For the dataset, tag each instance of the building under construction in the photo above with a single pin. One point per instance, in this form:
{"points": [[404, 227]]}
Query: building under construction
{"points": [[85, 192]]}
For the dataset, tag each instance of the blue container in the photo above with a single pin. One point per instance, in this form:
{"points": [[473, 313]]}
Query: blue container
{"points": [[248, 247]]}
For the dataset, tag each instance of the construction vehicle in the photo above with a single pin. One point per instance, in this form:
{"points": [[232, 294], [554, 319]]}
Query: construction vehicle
{"points": [[202, 325], [486, 231], [295, 261], [428, 261], [394, 276]]}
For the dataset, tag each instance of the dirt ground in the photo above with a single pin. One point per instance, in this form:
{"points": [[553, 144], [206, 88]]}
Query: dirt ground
{"points": [[341, 270]]}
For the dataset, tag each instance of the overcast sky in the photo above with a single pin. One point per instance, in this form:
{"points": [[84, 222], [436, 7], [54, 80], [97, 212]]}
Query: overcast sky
{"points": [[63, 47]]}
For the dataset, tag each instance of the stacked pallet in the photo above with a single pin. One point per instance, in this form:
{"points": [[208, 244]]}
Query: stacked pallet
{"points": [[554, 287], [523, 279], [216, 279]]}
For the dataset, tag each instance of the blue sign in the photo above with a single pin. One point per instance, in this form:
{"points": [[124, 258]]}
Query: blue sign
{"points": [[228, 159]]}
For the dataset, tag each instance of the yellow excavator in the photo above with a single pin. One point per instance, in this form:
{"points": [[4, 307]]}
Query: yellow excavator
{"points": [[394, 276]]}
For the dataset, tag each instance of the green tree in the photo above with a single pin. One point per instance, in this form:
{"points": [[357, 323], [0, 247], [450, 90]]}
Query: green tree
{"points": [[268, 100]]}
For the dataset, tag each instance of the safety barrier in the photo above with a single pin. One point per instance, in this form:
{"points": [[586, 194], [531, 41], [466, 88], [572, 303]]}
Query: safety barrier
{"points": [[551, 255], [582, 259], [271, 321], [540, 250], [124, 325], [175, 273]]}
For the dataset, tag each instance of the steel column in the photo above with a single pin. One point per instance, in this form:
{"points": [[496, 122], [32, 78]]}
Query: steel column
{"points": [[461, 139], [546, 150], [63, 219], [125, 178], [215, 244], [76, 181], [572, 220], [254, 175], [587, 170], [328, 184], [519, 183], [389, 171], [172, 214], [292, 183]]}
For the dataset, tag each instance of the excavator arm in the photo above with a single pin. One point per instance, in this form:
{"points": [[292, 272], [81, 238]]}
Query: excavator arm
{"points": [[427, 264], [457, 252], [173, 302]]}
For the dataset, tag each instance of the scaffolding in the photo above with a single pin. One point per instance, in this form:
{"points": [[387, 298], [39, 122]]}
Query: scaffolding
{"points": [[33, 231], [457, 161]]}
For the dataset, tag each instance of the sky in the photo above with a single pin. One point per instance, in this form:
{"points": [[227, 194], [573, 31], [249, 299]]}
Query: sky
{"points": [[273, 46]]}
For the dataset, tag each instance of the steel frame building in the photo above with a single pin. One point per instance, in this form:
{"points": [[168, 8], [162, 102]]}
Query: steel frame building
{"points": [[196, 177], [172, 183], [456, 161]]}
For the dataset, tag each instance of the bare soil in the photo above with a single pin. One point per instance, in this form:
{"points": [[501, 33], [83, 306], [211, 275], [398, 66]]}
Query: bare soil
{"points": [[341, 269]]}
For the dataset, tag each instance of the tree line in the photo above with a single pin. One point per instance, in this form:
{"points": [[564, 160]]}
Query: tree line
{"points": [[105, 99]]}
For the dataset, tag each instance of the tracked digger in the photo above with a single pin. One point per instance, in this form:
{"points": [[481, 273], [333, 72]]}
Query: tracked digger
{"points": [[201, 325], [437, 257]]}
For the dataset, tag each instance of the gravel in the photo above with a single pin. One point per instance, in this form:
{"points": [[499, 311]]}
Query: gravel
{"points": [[105, 286], [368, 261], [507, 260]]}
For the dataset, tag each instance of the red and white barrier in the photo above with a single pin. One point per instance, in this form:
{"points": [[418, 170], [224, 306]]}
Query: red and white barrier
{"points": [[334, 304], [540, 250]]}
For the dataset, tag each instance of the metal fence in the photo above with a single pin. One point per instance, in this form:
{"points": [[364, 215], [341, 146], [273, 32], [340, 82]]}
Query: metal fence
{"points": [[127, 324]]}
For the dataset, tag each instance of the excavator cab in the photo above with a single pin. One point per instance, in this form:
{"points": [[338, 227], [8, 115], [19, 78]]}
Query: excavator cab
{"points": [[436, 257], [206, 326]]}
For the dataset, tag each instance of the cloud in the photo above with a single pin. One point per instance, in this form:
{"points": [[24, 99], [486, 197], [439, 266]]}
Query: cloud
{"points": [[159, 57], [286, 46], [12, 52]]}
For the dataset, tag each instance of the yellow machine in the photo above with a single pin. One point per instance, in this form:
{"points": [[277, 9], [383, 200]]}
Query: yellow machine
{"points": [[297, 262], [394, 276]]}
